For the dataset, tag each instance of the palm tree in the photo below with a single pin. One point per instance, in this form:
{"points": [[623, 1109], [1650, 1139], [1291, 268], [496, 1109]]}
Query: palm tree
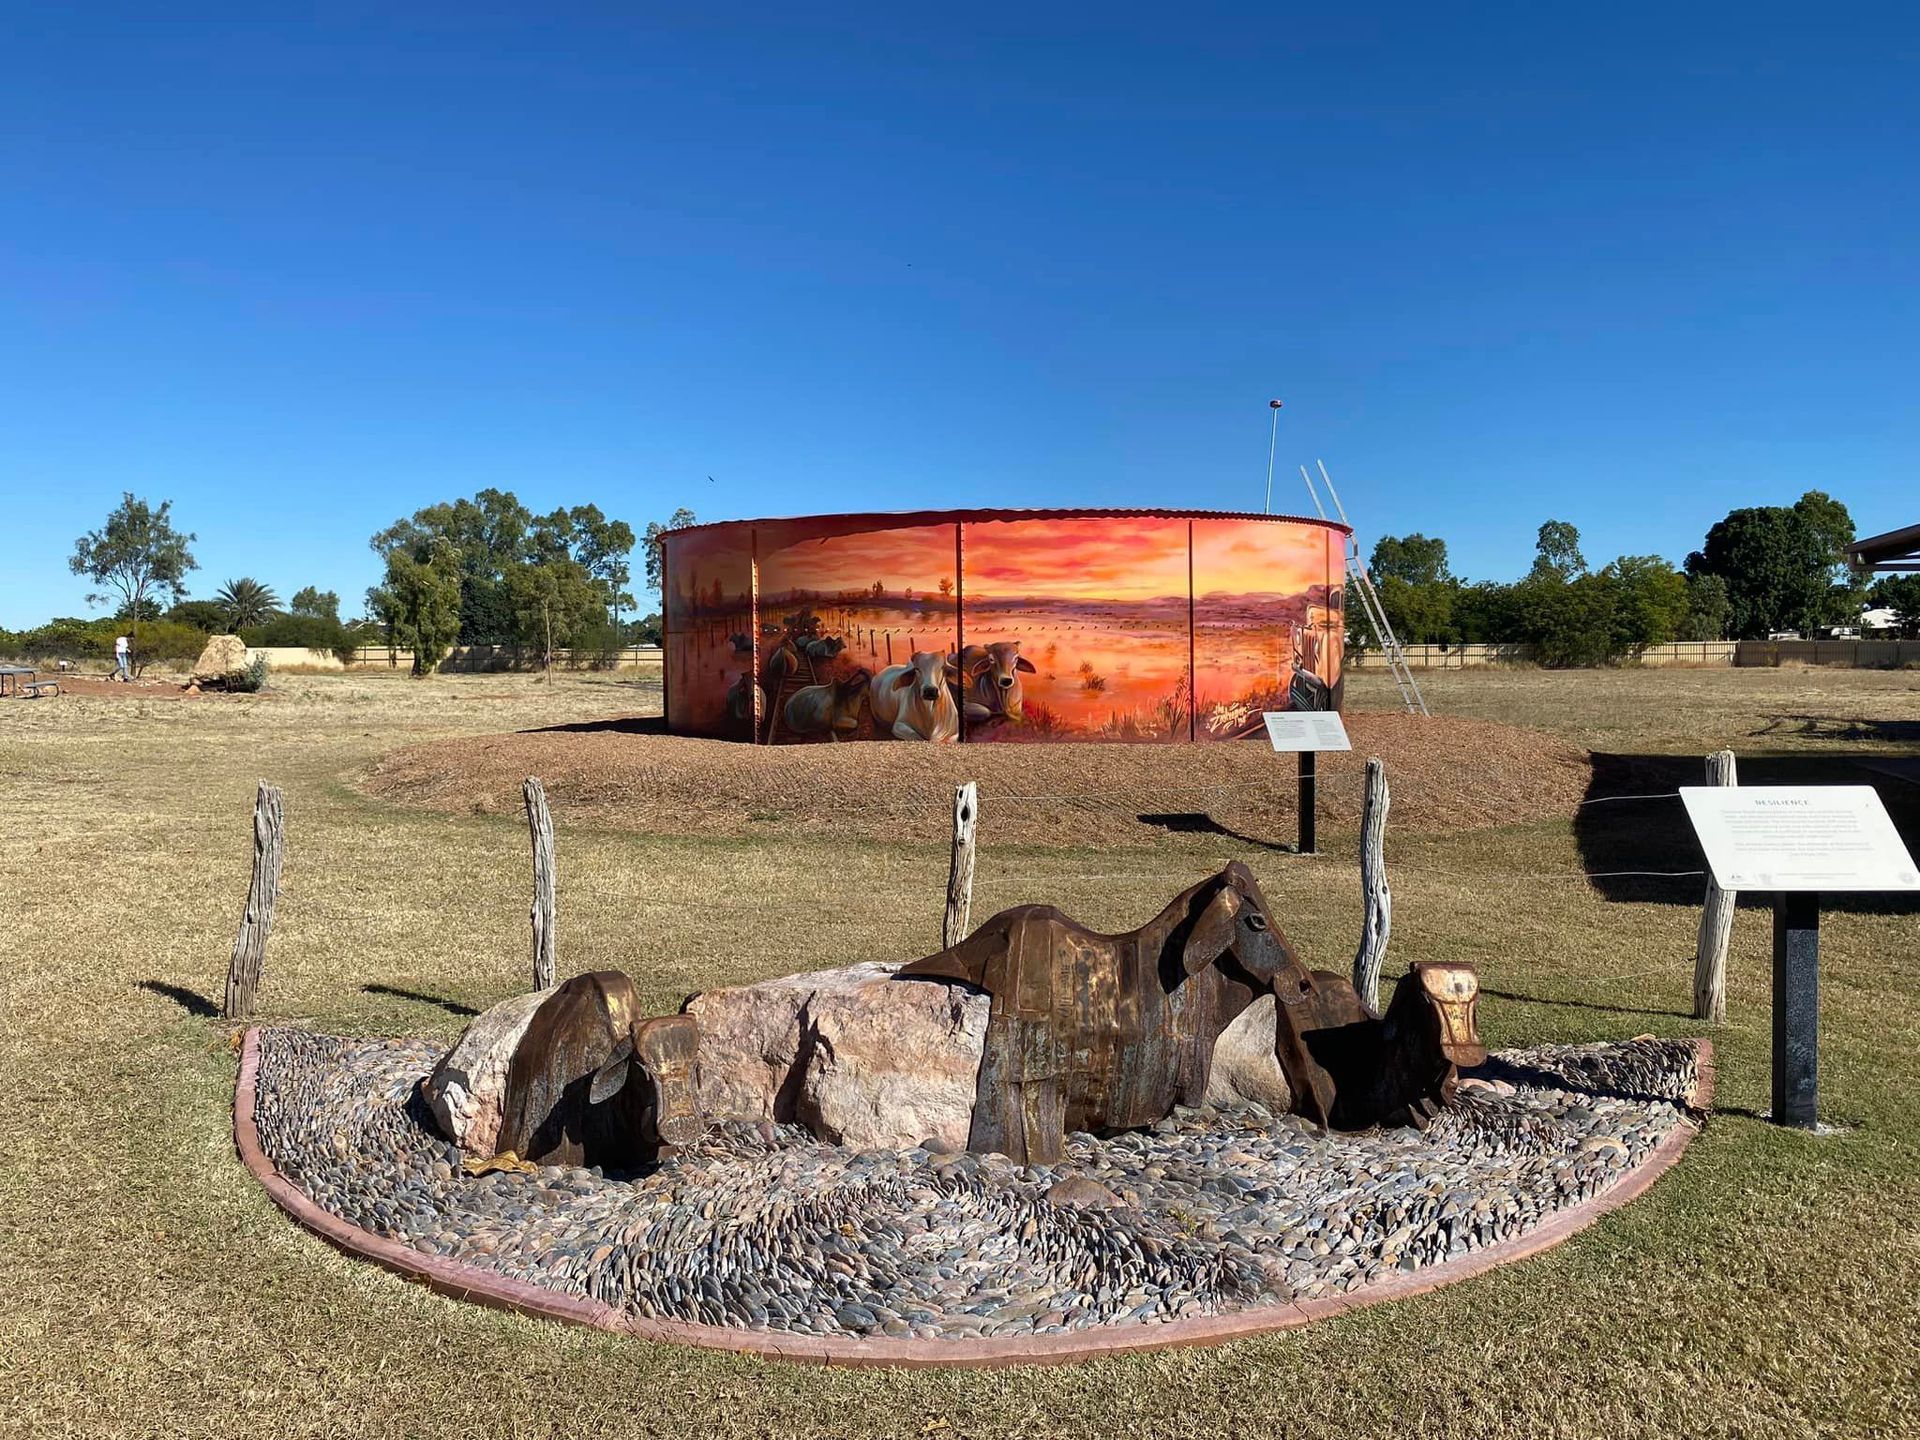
{"points": [[246, 602]]}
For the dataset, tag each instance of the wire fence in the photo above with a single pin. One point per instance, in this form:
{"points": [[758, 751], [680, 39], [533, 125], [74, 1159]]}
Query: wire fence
{"points": [[1132, 800]]}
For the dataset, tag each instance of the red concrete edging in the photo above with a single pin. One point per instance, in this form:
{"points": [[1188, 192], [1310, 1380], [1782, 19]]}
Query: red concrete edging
{"points": [[468, 1282]]}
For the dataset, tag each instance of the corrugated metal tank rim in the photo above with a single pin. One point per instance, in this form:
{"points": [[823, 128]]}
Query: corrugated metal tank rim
{"points": [[891, 519]]}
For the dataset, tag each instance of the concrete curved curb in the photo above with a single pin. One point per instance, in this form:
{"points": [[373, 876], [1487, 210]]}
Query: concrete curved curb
{"points": [[467, 1282]]}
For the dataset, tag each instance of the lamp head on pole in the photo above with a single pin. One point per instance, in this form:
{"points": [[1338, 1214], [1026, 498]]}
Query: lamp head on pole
{"points": [[1273, 404]]}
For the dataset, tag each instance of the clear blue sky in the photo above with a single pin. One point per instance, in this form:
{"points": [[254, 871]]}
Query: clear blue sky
{"points": [[1626, 266]]}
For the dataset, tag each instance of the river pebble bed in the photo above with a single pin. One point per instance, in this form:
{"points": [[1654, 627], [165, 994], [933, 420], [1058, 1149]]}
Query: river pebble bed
{"points": [[766, 1228]]}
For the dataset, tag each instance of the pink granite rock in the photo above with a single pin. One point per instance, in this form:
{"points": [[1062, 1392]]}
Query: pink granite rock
{"points": [[856, 1056], [466, 1088], [1244, 1065]]}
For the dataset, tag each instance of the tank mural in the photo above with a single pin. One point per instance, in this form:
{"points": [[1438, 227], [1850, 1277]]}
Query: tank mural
{"points": [[849, 612], [1267, 623], [1089, 615], [707, 614], [1000, 626]]}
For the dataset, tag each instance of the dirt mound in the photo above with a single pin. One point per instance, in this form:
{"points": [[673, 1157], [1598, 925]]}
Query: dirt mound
{"points": [[1447, 774]]}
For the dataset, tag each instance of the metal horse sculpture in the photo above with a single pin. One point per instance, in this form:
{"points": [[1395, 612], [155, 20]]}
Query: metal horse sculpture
{"points": [[1093, 1032]]}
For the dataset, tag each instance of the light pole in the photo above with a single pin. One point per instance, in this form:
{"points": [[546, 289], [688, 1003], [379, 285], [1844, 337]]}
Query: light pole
{"points": [[1272, 438]]}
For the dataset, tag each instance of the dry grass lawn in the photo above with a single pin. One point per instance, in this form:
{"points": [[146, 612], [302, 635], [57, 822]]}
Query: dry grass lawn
{"points": [[1764, 1287]]}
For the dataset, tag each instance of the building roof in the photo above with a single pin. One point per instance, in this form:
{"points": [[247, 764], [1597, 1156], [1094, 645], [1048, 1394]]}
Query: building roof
{"points": [[1895, 550]]}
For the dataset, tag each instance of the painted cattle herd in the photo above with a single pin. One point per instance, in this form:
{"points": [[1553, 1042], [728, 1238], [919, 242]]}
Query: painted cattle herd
{"points": [[1000, 626]]}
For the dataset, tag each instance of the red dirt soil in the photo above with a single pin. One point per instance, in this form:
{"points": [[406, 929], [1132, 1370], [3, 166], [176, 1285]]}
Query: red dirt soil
{"points": [[100, 687], [1447, 774]]}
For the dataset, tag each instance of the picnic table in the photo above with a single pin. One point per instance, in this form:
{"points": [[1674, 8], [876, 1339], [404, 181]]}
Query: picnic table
{"points": [[24, 683]]}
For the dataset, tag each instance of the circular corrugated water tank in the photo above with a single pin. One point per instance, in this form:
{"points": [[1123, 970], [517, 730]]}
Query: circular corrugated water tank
{"points": [[1001, 625]]}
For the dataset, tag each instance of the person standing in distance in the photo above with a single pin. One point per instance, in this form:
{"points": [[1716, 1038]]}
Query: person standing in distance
{"points": [[121, 671]]}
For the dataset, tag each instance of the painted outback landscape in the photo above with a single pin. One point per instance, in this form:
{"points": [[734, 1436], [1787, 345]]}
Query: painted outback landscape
{"points": [[1000, 626]]}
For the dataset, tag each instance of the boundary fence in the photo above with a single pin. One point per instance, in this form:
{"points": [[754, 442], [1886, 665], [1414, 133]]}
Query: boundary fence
{"points": [[1853, 654], [488, 657], [1473, 657]]}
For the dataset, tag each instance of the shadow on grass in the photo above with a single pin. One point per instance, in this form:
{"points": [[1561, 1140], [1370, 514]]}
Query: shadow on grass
{"points": [[452, 1006], [192, 1001], [1582, 1004], [1196, 824], [1837, 727], [1616, 832], [618, 725]]}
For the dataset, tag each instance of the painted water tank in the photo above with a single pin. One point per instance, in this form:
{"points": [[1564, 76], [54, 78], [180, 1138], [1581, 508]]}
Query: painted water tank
{"points": [[1004, 626]]}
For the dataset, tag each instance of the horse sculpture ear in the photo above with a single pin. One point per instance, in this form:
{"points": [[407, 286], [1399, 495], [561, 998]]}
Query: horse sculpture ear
{"points": [[1212, 930], [608, 1079]]}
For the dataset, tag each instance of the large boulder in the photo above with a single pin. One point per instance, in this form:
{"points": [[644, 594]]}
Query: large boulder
{"points": [[467, 1088], [1244, 1064], [856, 1056], [220, 657]]}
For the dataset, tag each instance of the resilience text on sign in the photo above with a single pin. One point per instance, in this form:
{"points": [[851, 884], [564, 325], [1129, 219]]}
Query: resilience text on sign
{"points": [[1799, 837]]}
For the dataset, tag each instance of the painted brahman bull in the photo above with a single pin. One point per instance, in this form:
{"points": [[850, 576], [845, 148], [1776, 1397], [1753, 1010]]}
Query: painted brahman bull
{"points": [[831, 709], [913, 702], [592, 1082], [988, 680], [1094, 1032]]}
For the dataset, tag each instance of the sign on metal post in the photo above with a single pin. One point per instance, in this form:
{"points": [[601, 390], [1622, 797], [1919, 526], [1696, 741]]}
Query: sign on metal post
{"points": [[1796, 841], [1307, 732]]}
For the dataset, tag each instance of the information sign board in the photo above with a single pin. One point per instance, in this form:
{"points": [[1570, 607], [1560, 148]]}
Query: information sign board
{"points": [[1799, 837], [1307, 730]]}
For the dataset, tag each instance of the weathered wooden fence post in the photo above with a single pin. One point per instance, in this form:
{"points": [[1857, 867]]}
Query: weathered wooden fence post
{"points": [[540, 824], [250, 944], [1716, 921], [966, 813], [1377, 923]]}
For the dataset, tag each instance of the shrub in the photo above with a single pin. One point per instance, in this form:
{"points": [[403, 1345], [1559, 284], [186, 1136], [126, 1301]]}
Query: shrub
{"points": [[249, 679], [161, 641], [595, 646], [69, 638]]}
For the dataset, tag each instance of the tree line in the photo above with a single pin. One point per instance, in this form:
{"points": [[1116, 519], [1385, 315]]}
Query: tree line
{"points": [[139, 563], [1760, 571], [478, 571], [487, 571]]}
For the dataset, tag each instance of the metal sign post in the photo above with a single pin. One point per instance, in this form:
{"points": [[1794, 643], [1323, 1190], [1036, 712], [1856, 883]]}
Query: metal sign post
{"points": [[1307, 801], [1307, 732], [1796, 1008]]}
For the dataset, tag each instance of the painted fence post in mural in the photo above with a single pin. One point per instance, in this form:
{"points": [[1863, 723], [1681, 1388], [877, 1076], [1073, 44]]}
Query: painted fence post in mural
{"points": [[966, 815]]}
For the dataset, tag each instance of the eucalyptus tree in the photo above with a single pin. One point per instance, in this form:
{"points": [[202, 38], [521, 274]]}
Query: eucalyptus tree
{"points": [[135, 557]]}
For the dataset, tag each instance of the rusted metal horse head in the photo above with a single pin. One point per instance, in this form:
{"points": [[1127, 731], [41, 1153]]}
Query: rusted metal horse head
{"points": [[592, 1082]]}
